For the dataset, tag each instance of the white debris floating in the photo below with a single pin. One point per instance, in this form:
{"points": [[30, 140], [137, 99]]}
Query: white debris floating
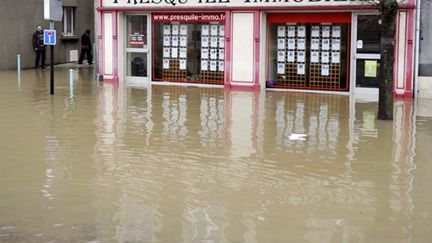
{"points": [[297, 136]]}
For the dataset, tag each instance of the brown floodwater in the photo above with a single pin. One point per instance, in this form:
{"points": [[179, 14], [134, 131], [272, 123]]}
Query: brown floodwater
{"points": [[114, 163]]}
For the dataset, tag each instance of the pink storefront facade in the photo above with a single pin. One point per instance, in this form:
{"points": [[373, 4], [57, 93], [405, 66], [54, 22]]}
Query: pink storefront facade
{"points": [[314, 45]]}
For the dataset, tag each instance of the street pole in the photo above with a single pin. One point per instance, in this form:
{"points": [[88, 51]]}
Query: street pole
{"points": [[52, 62]]}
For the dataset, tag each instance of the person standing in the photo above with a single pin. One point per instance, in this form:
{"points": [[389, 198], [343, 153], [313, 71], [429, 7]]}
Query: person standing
{"points": [[39, 47], [86, 48]]}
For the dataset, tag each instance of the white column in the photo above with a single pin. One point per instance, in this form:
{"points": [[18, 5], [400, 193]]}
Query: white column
{"points": [[242, 47], [108, 45]]}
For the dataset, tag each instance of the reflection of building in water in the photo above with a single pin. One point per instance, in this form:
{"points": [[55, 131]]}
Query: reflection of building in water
{"points": [[181, 164], [321, 117]]}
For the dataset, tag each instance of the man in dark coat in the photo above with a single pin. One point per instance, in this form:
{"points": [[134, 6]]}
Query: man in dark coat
{"points": [[39, 47], [86, 48]]}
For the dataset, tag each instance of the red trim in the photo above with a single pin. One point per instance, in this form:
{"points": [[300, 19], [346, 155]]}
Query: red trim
{"points": [[309, 17], [227, 45], [257, 57]]}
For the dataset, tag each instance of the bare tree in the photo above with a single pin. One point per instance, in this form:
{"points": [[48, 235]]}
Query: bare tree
{"points": [[388, 10]]}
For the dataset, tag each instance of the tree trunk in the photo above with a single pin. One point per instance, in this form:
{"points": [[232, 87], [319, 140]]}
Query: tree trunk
{"points": [[388, 9]]}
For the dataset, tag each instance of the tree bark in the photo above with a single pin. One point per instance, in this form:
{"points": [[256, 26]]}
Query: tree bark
{"points": [[388, 9]]}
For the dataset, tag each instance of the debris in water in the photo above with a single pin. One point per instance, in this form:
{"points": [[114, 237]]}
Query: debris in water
{"points": [[297, 136]]}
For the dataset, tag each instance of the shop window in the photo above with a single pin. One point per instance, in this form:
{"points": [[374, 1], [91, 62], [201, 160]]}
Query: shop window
{"points": [[191, 52], [308, 55], [68, 21]]}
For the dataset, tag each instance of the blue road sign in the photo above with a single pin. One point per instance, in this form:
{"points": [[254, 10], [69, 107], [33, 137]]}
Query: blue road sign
{"points": [[49, 37]]}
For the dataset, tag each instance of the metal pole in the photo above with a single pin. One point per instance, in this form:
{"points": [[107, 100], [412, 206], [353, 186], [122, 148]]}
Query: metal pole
{"points": [[18, 67], [71, 84], [52, 63]]}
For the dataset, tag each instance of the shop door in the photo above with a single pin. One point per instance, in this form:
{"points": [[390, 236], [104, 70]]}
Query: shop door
{"points": [[137, 48], [367, 53]]}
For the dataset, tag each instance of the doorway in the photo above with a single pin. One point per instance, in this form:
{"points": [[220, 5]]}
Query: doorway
{"points": [[137, 48], [366, 52]]}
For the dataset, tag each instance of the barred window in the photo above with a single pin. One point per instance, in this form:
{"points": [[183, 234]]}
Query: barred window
{"points": [[68, 21]]}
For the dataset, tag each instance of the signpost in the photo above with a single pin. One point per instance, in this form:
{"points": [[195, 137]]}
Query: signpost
{"points": [[53, 11]]}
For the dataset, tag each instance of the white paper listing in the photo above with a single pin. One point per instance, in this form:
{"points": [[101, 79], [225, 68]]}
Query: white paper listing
{"points": [[301, 44], [182, 64], [204, 42], [175, 29], [174, 52], [281, 56], [335, 57], [314, 57], [213, 65], [281, 68], [301, 69], [204, 53], [315, 44], [214, 30], [204, 30], [175, 41], [221, 66], [291, 30], [325, 58], [167, 30], [315, 31], [183, 52], [183, 41], [166, 41], [166, 63], [221, 30], [281, 31], [183, 29], [291, 44], [281, 44], [325, 70], [325, 44], [221, 54], [301, 56], [291, 56], [204, 65], [335, 45], [336, 31], [214, 42], [221, 42], [326, 31], [166, 52], [213, 54], [301, 31]]}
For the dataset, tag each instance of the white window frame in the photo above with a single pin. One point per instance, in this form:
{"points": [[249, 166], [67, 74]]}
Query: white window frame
{"points": [[68, 28]]}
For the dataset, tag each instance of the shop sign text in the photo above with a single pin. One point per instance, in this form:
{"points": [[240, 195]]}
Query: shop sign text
{"points": [[226, 3]]}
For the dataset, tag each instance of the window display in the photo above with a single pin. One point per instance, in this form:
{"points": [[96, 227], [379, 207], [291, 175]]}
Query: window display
{"points": [[190, 52], [308, 55]]}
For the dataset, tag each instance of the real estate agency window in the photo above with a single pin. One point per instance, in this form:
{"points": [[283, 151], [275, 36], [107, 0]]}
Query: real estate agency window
{"points": [[68, 21], [189, 48], [309, 51]]}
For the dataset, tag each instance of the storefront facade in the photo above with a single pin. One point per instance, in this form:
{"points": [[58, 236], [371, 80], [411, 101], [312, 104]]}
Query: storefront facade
{"points": [[314, 45]]}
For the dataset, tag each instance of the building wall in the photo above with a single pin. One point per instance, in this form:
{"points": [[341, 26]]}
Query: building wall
{"points": [[425, 55], [18, 20]]}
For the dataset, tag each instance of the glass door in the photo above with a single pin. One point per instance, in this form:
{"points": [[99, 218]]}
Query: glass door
{"points": [[137, 48], [367, 52]]}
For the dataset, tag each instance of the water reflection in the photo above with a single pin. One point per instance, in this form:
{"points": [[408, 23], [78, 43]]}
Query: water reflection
{"points": [[176, 164]]}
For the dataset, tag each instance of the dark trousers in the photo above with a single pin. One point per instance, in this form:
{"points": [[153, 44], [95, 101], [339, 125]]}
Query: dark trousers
{"points": [[88, 53], [40, 56]]}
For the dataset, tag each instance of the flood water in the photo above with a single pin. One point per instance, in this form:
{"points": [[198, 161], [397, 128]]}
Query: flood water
{"points": [[109, 163]]}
